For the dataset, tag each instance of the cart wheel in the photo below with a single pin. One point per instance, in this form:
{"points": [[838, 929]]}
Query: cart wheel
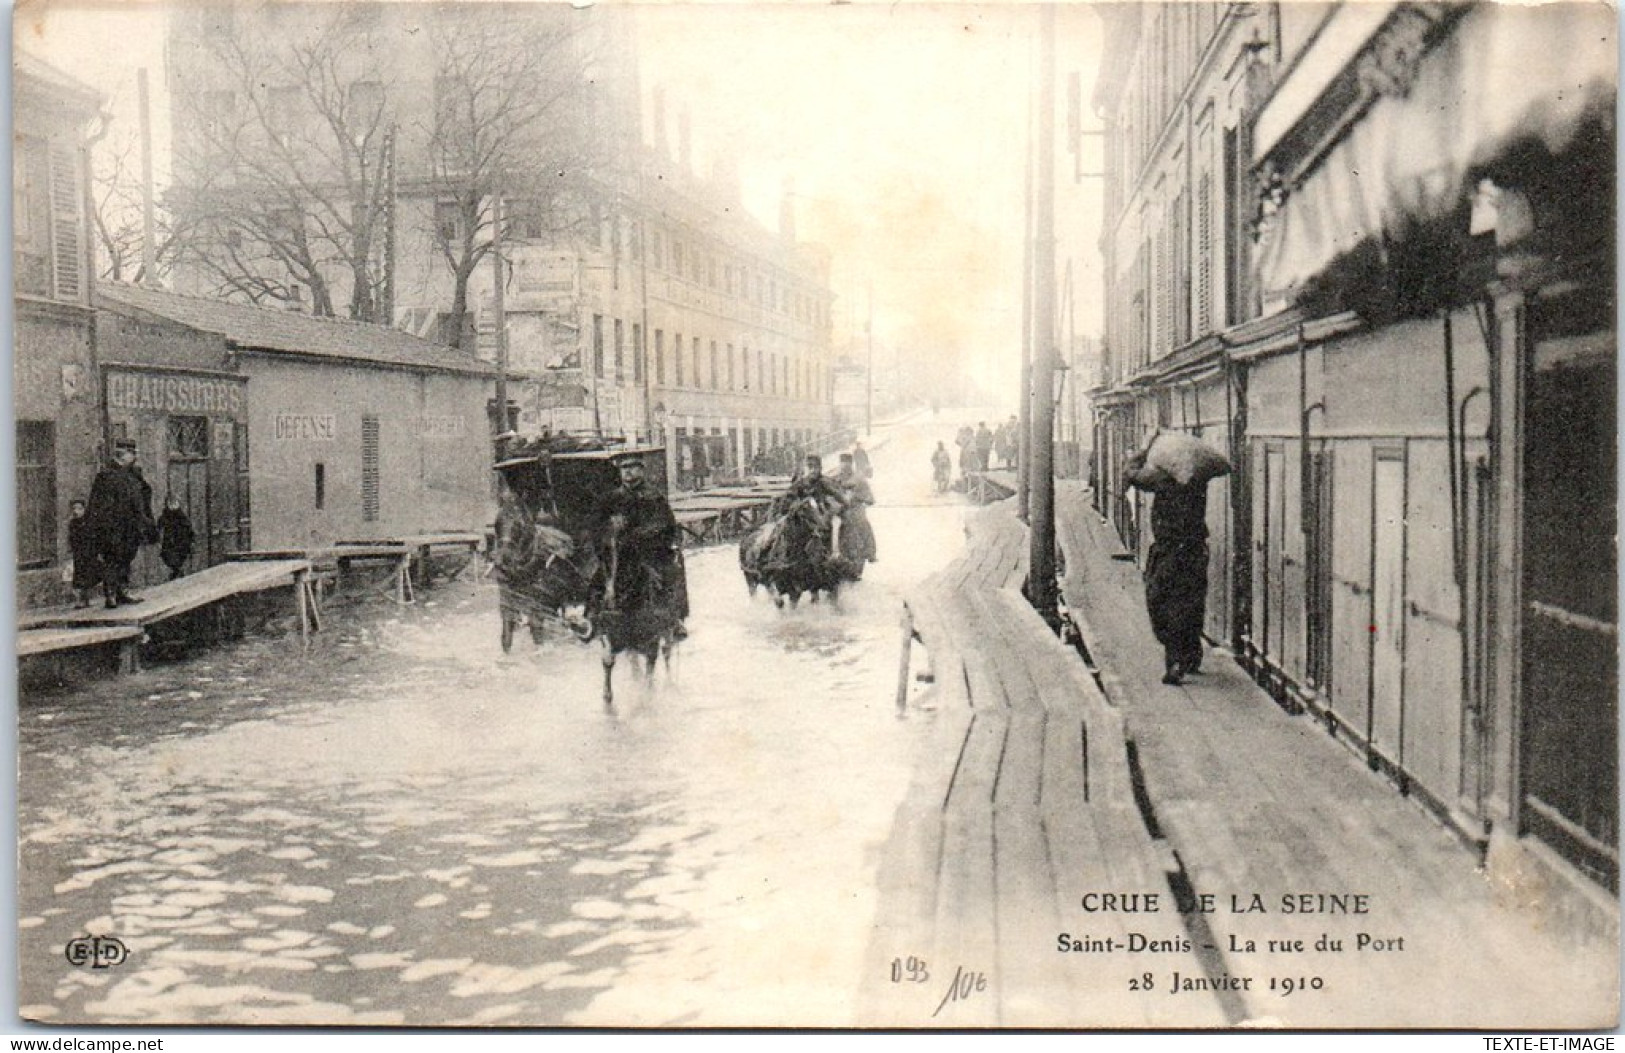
{"points": [[583, 628], [507, 634]]}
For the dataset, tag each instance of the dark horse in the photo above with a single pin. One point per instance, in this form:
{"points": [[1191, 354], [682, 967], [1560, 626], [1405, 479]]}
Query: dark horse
{"points": [[543, 576], [640, 614], [794, 554]]}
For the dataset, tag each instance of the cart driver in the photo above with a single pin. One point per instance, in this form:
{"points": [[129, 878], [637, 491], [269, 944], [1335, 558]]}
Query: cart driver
{"points": [[647, 538]]}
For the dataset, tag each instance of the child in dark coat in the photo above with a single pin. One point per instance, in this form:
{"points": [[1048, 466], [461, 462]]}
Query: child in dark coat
{"points": [[87, 560], [175, 537]]}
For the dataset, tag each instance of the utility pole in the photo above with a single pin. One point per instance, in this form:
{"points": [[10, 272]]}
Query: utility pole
{"points": [[869, 373], [1024, 444], [149, 244], [387, 306], [642, 350], [498, 280], [1041, 585]]}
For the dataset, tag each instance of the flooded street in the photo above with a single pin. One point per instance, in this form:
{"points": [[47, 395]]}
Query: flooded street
{"points": [[409, 827]]}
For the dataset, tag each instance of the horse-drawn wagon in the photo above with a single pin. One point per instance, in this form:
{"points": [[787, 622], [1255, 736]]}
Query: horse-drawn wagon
{"points": [[547, 552]]}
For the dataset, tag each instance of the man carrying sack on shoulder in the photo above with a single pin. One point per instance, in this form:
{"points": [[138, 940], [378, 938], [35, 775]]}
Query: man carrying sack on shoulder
{"points": [[1175, 469]]}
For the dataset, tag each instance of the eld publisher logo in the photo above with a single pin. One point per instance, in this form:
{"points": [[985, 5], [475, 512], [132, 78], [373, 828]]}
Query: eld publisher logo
{"points": [[98, 952]]}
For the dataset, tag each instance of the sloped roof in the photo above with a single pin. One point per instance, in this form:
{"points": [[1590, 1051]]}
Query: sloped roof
{"points": [[26, 67], [264, 329]]}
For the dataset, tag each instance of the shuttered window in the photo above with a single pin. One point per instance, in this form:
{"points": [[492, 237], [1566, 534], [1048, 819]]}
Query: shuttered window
{"points": [[1180, 250], [1204, 259], [369, 469], [1164, 298], [67, 212], [36, 493]]}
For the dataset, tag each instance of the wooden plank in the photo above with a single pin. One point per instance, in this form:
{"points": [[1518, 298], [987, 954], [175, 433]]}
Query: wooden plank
{"points": [[46, 641], [967, 937], [177, 597], [906, 883], [444, 539]]}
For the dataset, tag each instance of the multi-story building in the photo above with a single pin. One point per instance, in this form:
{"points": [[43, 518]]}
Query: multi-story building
{"points": [[636, 298], [1177, 93], [1368, 249], [679, 320], [56, 396]]}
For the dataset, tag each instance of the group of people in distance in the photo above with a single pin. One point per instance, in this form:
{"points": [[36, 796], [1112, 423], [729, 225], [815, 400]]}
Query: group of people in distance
{"points": [[108, 530], [977, 446]]}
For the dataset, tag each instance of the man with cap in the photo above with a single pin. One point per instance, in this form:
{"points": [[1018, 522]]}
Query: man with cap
{"points": [[813, 483], [120, 515], [648, 541]]}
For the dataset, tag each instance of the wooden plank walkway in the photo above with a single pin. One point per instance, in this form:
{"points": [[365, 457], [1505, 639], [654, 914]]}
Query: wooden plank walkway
{"points": [[1020, 803], [422, 549], [161, 602], [329, 560], [723, 513], [1255, 801], [989, 486], [37, 643]]}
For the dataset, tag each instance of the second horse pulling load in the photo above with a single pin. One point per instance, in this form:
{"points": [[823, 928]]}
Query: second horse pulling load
{"points": [[817, 537], [584, 536]]}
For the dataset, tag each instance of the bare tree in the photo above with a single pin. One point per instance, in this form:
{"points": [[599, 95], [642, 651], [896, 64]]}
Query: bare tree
{"points": [[515, 118], [116, 197], [281, 172], [116, 214]]}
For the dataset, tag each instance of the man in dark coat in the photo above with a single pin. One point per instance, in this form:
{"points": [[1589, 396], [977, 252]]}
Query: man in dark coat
{"points": [[120, 513], [813, 483], [984, 447], [860, 461], [1176, 575], [648, 541]]}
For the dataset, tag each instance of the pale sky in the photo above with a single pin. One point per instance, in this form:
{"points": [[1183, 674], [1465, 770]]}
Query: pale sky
{"points": [[903, 129], [901, 126]]}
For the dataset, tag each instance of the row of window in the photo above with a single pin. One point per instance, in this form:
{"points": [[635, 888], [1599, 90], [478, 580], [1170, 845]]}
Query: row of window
{"points": [[1186, 278], [710, 365], [751, 281], [1173, 38], [1188, 275]]}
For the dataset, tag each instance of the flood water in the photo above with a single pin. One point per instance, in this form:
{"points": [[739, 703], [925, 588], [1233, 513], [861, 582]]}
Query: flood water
{"points": [[408, 827]]}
